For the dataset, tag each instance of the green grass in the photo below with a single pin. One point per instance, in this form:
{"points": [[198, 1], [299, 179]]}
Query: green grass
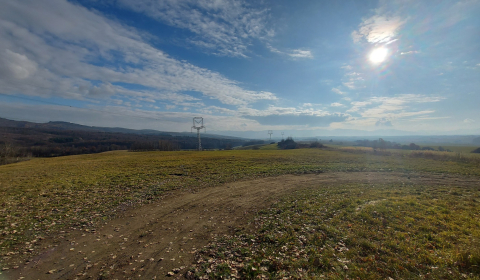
{"points": [[43, 196], [269, 147], [453, 148], [357, 231], [259, 147]]}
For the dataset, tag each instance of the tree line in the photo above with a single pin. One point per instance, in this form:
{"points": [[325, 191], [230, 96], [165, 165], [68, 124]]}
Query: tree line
{"points": [[34, 142], [382, 145]]}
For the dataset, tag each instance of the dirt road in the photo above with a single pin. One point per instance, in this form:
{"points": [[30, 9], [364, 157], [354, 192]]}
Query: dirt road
{"points": [[150, 241]]}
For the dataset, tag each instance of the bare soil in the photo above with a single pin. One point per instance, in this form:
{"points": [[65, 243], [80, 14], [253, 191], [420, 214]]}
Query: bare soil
{"points": [[150, 241]]}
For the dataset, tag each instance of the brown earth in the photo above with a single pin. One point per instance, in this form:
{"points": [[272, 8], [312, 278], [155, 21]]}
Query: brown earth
{"points": [[150, 241]]}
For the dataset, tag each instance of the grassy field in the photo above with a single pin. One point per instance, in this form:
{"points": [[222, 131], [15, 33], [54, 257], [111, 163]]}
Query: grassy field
{"points": [[44, 196], [453, 148], [357, 231]]}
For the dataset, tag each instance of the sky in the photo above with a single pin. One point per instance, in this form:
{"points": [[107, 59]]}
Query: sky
{"points": [[301, 67]]}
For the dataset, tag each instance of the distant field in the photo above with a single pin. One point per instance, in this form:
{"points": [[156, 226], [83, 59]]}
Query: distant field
{"points": [[43, 196], [454, 148]]}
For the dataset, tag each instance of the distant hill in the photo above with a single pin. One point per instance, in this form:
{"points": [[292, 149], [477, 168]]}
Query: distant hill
{"points": [[59, 125], [64, 138]]}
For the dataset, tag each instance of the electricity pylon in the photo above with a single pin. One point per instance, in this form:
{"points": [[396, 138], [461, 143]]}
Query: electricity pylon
{"points": [[198, 125]]}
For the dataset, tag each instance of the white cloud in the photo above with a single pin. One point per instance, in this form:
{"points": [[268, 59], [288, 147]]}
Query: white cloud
{"points": [[301, 54], [392, 108], [467, 120], [16, 66], [219, 110], [338, 91], [225, 27], [357, 105], [61, 43], [354, 80], [297, 53], [378, 29], [409, 52], [291, 116], [336, 104]]}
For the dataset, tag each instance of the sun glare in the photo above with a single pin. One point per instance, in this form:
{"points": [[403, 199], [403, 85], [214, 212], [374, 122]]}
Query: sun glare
{"points": [[378, 55]]}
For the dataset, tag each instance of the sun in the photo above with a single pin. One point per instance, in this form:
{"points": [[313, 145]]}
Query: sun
{"points": [[378, 55]]}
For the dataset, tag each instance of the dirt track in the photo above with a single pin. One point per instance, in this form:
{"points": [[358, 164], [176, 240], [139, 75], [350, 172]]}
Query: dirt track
{"points": [[150, 241]]}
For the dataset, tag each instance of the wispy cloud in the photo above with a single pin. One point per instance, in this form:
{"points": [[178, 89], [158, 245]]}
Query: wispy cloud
{"points": [[392, 108], [378, 29], [222, 27], [338, 91], [409, 52], [291, 116], [297, 53], [301, 54]]}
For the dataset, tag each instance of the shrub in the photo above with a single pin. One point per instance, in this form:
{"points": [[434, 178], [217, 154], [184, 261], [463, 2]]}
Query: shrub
{"points": [[316, 144], [287, 144]]}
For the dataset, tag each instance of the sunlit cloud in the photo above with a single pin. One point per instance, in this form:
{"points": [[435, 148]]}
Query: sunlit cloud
{"points": [[409, 52], [378, 29]]}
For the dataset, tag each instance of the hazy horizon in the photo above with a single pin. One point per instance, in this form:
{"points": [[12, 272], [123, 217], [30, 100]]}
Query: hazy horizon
{"points": [[306, 68]]}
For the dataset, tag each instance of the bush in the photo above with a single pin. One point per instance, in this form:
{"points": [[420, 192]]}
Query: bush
{"points": [[11, 154], [316, 144], [287, 144]]}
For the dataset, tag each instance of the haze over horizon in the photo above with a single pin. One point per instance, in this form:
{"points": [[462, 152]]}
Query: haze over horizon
{"points": [[306, 66]]}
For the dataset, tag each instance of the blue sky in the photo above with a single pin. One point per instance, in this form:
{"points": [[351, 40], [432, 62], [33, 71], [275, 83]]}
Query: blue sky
{"points": [[305, 67]]}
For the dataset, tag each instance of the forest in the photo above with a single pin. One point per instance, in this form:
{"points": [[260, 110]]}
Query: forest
{"points": [[44, 141]]}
